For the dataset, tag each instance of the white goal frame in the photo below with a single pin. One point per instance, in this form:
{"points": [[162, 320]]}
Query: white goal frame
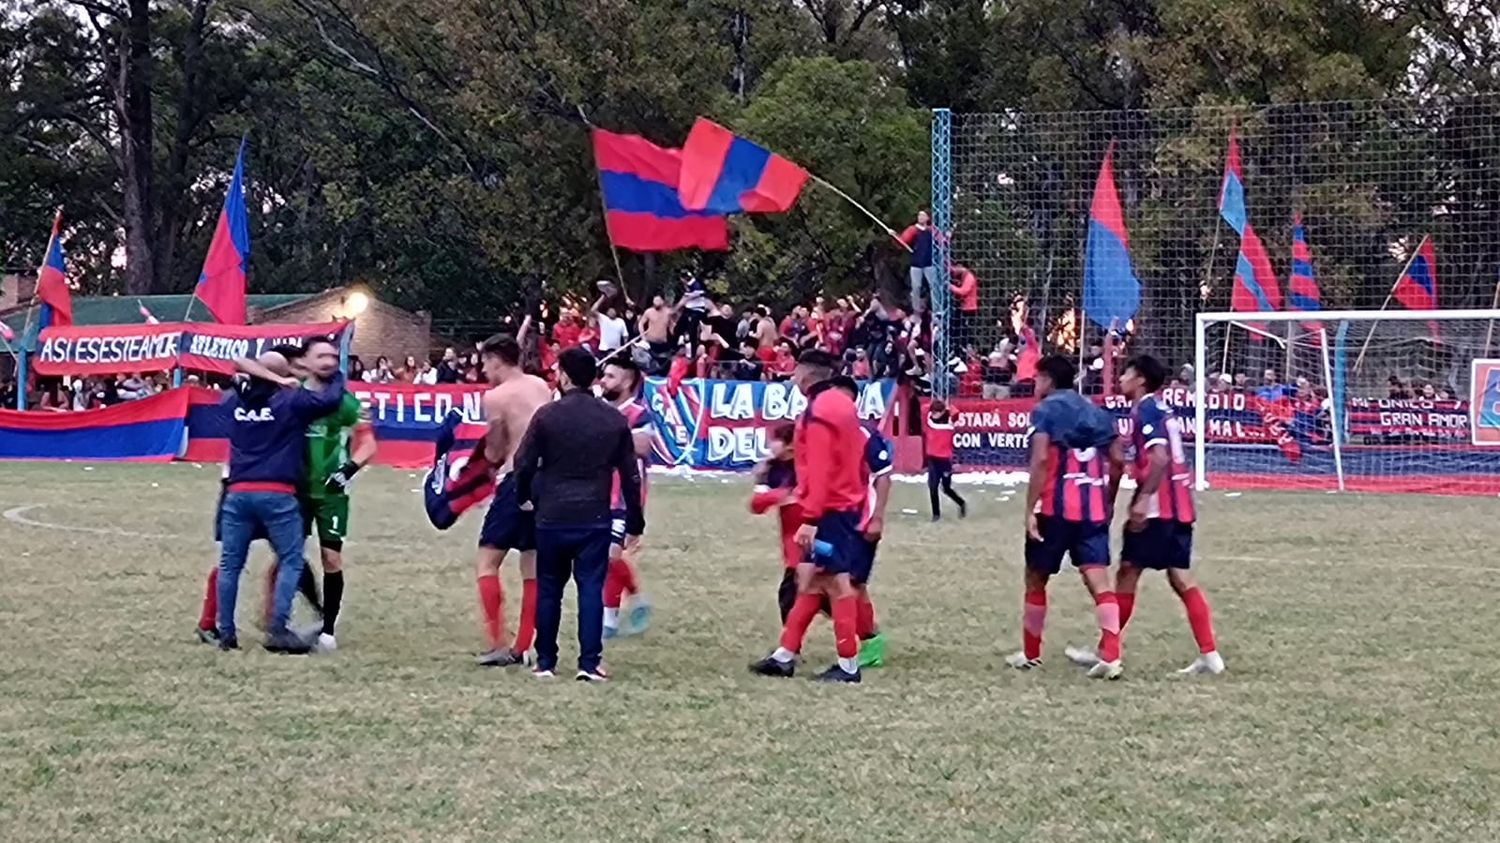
{"points": [[1200, 361]]}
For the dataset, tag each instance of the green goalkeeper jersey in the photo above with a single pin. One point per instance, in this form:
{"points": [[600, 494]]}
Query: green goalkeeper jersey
{"points": [[328, 444]]}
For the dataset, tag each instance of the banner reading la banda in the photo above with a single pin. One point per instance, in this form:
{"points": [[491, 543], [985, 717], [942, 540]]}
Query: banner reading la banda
{"points": [[197, 346]]}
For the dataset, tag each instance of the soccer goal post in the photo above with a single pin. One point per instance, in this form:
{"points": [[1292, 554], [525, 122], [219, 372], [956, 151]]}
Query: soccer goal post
{"points": [[1354, 400]]}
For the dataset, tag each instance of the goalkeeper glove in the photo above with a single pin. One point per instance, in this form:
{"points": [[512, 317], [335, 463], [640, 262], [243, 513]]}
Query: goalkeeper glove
{"points": [[338, 482]]}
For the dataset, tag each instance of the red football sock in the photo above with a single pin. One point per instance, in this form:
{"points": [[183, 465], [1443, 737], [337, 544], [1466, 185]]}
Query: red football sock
{"points": [[526, 631], [845, 626], [619, 580], [1107, 610], [1033, 621], [491, 599], [1127, 607], [210, 610], [1200, 619], [866, 618], [798, 620]]}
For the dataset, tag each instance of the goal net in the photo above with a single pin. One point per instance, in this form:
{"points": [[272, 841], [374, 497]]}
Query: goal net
{"points": [[1362, 401]]}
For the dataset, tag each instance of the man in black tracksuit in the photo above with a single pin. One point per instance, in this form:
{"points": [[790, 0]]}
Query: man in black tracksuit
{"points": [[566, 467]]}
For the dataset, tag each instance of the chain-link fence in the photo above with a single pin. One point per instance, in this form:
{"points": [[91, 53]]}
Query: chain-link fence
{"points": [[1369, 179]]}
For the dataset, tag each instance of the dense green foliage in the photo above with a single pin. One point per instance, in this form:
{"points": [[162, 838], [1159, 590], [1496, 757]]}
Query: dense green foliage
{"points": [[438, 149]]}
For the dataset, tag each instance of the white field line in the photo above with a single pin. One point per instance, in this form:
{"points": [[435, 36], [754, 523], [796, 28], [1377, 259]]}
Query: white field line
{"points": [[21, 515]]}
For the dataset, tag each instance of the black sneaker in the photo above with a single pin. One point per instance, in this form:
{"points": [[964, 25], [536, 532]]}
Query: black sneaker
{"points": [[771, 667], [288, 643], [503, 657], [227, 644], [208, 636], [963, 511], [837, 674], [598, 674]]}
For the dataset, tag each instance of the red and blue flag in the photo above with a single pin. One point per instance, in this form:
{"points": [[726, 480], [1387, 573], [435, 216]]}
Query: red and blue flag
{"points": [[1302, 288], [52, 283], [1255, 286], [1417, 288], [726, 174], [642, 211], [1232, 188], [1111, 291], [221, 286]]}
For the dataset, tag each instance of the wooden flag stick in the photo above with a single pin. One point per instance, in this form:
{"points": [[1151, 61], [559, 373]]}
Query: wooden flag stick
{"points": [[604, 208], [847, 198], [1388, 296]]}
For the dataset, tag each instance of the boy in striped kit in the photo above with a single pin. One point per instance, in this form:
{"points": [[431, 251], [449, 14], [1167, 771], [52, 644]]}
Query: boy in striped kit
{"points": [[1076, 464], [1159, 535]]}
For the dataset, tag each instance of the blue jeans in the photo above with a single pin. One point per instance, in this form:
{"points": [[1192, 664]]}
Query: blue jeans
{"points": [[281, 519], [580, 552], [918, 275]]}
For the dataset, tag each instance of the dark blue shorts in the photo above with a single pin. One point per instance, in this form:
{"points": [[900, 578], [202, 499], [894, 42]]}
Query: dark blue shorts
{"points": [[1084, 543], [1159, 545], [861, 573], [840, 547], [506, 525]]}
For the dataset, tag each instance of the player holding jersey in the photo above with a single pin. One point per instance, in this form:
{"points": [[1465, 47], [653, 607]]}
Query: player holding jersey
{"points": [[1159, 535], [1076, 465], [620, 385]]}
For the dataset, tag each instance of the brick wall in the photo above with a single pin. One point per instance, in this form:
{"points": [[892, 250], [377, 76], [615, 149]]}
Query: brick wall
{"points": [[16, 290], [381, 329]]}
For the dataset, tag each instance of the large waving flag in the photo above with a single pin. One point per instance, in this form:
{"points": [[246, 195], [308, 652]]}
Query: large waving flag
{"points": [[1232, 188], [726, 174], [1111, 292], [641, 209], [1255, 285], [221, 286], [1417, 288], [1302, 288], [52, 283]]}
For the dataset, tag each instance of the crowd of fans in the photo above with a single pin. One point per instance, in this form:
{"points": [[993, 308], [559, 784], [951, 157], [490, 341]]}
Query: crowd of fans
{"points": [[66, 395]]}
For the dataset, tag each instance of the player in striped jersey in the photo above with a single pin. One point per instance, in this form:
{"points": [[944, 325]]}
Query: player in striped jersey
{"points": [[1076, 464], [620, 385], [1159, 535]]}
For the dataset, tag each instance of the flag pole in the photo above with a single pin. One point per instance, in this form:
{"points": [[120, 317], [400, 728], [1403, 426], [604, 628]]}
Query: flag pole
{"points": [[614, 252], [850, 199], [1489, 334], [1388, 296]]}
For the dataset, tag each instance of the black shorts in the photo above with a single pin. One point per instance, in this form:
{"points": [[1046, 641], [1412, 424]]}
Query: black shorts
{"points": [[1085, 543], [506, 525], [1159, 545]]}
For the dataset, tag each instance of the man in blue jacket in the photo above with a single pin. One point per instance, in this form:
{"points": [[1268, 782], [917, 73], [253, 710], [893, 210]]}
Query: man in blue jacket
{"points": [[267, 434]]}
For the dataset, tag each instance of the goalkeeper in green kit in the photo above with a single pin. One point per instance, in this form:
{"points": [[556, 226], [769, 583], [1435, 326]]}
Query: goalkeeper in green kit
{"points": [[338, 446]]}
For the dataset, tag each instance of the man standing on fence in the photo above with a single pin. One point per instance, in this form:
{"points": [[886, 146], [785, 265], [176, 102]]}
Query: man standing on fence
{"points": [[569, 458], [918, 238], [268, 426]]}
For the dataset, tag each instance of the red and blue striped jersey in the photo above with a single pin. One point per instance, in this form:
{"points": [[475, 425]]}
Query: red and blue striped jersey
{"points": [[878, 463], [638, 419], [1077, 471], [1154, 424]]}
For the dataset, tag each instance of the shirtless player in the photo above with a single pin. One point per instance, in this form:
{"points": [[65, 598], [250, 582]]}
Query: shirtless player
{"points": [[508, 407]]}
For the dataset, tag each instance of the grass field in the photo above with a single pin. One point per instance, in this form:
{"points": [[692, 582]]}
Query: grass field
{"points": [[1362, 702]]}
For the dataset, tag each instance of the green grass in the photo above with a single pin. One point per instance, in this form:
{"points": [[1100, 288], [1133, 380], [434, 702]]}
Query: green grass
{"points": [[1362, 702]]}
